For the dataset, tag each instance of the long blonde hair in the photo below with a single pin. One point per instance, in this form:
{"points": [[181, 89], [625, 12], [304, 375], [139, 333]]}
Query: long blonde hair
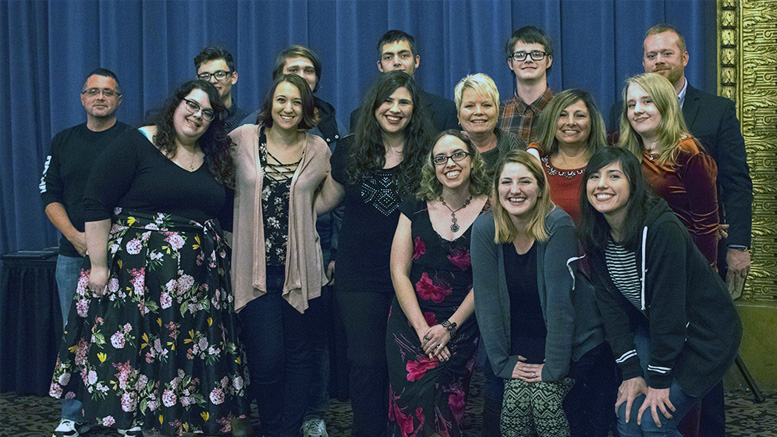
{"points": [[505, 229], [670, 130]]}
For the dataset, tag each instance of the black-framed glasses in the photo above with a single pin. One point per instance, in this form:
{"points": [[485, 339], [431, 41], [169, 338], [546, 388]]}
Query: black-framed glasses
{"points": [[107, 92], [219, 75], [194, 107], [536, 55], [456, 156]]}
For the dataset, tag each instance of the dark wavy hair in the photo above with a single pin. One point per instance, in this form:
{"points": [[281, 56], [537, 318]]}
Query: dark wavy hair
{"points": [[367, 152], [594, 231], [308, 114], [297, 51], [479, 182], [214, 143]]}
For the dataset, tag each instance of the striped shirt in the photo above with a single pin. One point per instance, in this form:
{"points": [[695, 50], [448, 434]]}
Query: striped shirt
{"points": [[622, 265], [518, 117]]}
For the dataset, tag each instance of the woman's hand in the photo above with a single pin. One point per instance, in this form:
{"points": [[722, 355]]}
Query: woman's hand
{"points": [[98, 280], [656, 399], [527, 372], [434, 342], [629, 390]]}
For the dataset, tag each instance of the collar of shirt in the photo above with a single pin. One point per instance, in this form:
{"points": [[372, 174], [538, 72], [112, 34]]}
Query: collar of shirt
{"points": [[538, 105], [681, 96]]}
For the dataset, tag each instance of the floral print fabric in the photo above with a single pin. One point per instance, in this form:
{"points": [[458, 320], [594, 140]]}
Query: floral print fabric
{"points": [[160, 348], [427, 395]]}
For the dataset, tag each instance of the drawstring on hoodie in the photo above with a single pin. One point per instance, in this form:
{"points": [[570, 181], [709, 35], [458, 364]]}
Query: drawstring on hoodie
{"points": [[642, 280], [569, 267]]}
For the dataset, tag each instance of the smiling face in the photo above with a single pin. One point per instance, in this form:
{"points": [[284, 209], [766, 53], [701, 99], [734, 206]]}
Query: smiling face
{"points": [[662, 54], [100, 106], [574, 125], [397, 55], [286, 107], [642, 111], [478, 113], [608, 192], [393, 115], [529, 70], [452, 174], [518, 191], [189, 126]]}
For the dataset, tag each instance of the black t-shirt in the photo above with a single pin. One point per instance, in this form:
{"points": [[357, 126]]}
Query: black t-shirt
{"points": [[73, 154], [527, 326], [371, 214], [134, 175]]}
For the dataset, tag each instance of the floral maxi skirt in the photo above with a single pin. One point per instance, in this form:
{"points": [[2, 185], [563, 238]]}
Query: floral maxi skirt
{"points": [[160, 348]]}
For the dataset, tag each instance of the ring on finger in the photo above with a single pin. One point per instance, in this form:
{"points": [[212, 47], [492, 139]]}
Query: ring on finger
{"points": [[439, 346]]}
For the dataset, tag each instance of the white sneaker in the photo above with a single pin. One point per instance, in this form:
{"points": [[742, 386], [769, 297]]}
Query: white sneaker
{"points": [[66, 428], [314, 428], [135, 431]]}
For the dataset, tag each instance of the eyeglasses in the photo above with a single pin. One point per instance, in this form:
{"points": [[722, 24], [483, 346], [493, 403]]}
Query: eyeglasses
{"points": [[194, 107], [536, 55], [107, 92], [456, 156], [219, 75]]}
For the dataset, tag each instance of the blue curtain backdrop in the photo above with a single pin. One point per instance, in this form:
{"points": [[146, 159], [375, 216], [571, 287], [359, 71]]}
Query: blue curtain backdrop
{"points": [[47, 48]]}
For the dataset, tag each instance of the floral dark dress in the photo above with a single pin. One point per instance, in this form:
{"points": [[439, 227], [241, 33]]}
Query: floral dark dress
{"points": [[160, 348], [428, 395]]}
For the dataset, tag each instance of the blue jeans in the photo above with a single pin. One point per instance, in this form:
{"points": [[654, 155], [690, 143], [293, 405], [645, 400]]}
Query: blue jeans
{"points": [[681, 401], [67, 273], [277, 342]]}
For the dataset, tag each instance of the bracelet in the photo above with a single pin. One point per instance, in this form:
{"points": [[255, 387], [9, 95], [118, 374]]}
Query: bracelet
{"points": [[450, 326]]}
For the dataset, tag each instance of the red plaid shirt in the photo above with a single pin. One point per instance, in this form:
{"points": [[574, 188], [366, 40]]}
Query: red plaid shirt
{"points": [[519, 118]]}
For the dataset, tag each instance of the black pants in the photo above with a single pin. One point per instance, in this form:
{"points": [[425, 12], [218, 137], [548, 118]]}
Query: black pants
{"points": [[276, 338], [365, 316], [589, 406]]}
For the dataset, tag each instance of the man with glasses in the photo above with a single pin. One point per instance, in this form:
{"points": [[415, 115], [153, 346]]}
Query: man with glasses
{"points": [[216, 65], [66, 170], [397, 50], [529, 54]]}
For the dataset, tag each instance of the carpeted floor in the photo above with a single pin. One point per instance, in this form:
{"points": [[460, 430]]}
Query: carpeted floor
{"points": [[33, 416]]}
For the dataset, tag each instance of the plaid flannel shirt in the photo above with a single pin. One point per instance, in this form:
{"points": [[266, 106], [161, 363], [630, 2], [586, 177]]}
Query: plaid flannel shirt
{"points": [[519, 118]]}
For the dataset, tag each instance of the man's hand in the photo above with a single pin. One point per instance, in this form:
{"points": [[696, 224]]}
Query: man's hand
{"points": [[330, 273], [738, 262], [78, 239]]}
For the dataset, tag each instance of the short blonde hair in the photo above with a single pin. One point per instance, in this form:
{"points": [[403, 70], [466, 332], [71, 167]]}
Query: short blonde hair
{"points": [[505, 229], [670, 130], [482, 84]]}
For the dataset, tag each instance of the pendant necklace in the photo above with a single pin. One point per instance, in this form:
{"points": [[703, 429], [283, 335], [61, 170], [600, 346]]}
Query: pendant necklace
{"points": [[454, 225]]}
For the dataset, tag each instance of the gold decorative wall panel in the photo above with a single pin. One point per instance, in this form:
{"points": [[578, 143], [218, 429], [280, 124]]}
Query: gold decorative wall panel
{"points": [[747, 74]]}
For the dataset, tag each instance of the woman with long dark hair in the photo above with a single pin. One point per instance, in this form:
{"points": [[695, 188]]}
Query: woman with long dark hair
{"points": [[152, 342], [535, 315], [667, 314], [431, 339], [570, 129], [282, 183], [378, 166]]}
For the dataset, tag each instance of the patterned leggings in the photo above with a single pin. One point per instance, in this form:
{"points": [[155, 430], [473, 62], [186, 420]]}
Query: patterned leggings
{"points": [[535, 407]]}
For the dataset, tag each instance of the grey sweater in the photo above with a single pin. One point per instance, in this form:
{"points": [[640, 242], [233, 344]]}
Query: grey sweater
{"points": [[572, 319]]}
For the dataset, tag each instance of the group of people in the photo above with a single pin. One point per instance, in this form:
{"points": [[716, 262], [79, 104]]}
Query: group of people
{"points": [[582, 278]]}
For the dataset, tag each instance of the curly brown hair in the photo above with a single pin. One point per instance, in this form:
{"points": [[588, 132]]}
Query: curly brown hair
{"points": [[214, 143]]}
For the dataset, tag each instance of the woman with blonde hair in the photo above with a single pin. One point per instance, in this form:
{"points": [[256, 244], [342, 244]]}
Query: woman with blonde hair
{"points": [[535, 318], [570, 129], [431, 338], [675, 164], [477, 106]]}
